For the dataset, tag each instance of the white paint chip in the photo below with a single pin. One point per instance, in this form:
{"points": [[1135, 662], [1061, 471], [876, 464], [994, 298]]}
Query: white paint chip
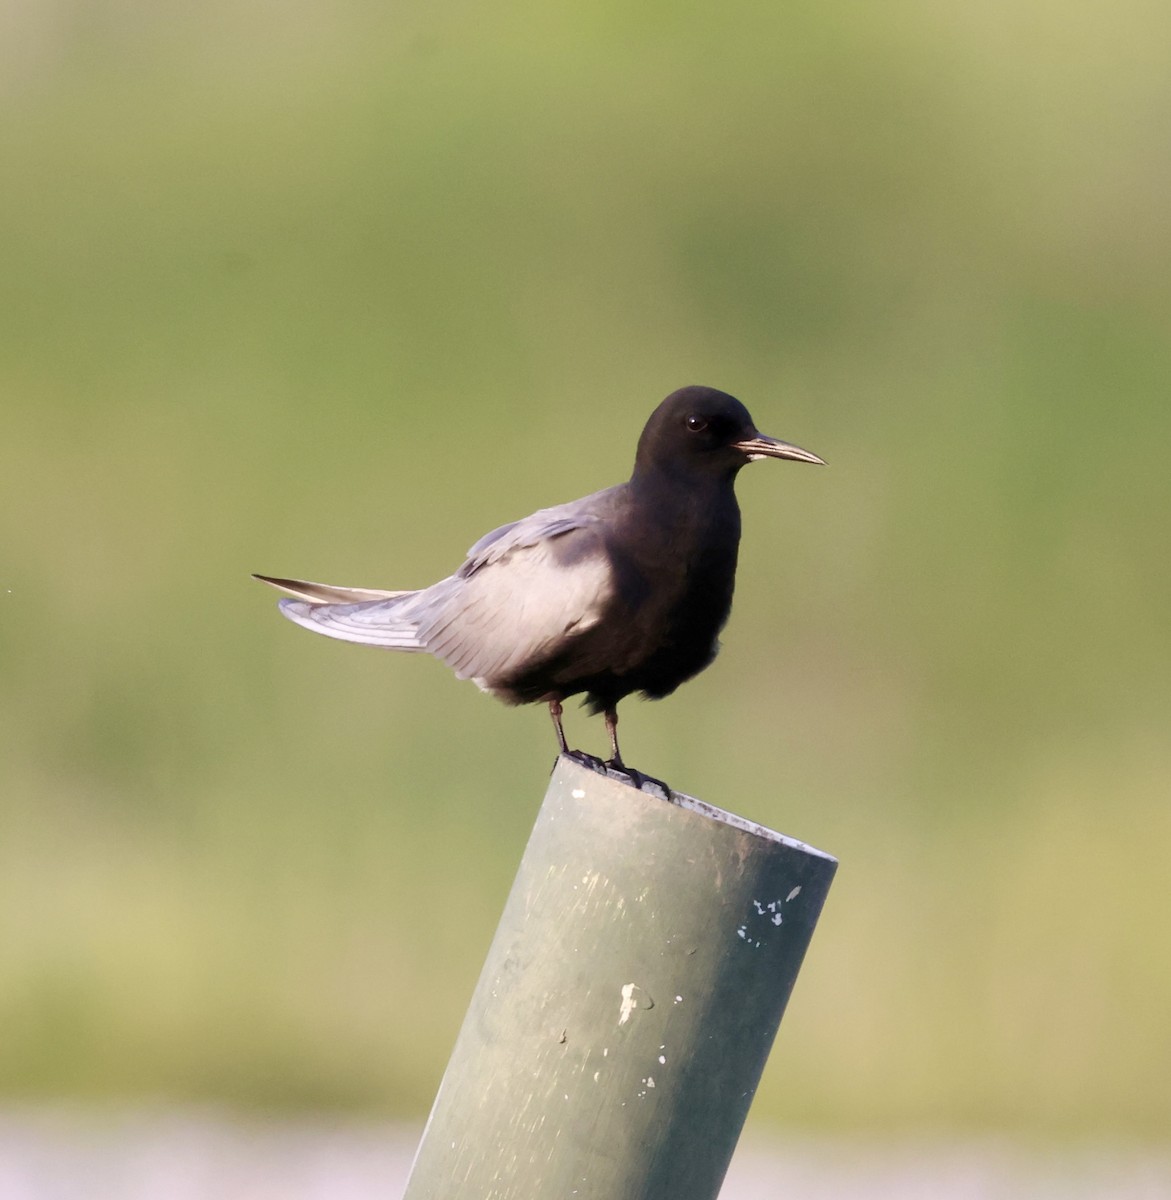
{"points": [[650, 1081], [794, 893], [577, 794], [633, 997], [663, 1059]]}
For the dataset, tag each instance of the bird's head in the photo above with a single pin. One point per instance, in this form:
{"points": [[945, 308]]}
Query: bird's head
{"points": [[700, 431]]}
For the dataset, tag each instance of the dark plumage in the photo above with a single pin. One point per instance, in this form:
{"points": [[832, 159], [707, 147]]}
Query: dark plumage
{"points": [[622, 591]]}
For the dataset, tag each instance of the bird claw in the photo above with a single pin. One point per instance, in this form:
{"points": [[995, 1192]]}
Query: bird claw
{"points": [[638, 779], [589, 761]]}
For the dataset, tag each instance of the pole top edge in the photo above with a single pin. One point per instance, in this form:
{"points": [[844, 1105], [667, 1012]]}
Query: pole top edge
{"points": [[653, 793]]}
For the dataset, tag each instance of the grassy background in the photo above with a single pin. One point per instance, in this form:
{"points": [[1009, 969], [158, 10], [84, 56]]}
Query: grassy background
{"points": [[272, 279]]}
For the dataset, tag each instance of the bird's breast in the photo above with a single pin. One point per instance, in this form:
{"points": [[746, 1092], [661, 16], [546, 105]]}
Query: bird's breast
{"points": [[673, 590]]}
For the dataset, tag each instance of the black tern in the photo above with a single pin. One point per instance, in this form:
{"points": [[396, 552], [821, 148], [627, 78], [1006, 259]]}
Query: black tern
{"points": [[622, 591]]}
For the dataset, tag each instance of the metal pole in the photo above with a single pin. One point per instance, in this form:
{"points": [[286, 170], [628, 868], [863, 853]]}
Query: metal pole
{"points": [[628, 1004]]}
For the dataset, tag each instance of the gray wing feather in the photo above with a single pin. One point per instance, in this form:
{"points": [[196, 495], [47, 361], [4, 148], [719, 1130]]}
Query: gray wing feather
{"points": [[373, 623], [545, 523], [507, 613]]}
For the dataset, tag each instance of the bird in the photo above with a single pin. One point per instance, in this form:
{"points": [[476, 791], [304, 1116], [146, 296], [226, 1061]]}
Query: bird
{"points": [[623, 591]]}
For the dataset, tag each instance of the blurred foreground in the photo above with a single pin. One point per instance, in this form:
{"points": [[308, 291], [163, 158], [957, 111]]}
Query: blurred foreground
{"points": [[199, 1156]]}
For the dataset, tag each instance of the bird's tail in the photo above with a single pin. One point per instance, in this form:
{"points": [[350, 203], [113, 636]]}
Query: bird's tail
{"points": [[327, 593], [363, 615]]}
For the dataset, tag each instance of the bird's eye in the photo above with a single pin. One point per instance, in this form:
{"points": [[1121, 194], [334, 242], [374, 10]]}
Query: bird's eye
{"points": [[696, 424]]}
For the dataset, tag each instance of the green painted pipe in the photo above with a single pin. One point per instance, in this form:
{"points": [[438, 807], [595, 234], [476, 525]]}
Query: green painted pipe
{"points": [[630, 997]]}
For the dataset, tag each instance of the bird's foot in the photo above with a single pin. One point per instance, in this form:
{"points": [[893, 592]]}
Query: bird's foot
{"points": [[589, 761], [637, 778], [616, 768]]}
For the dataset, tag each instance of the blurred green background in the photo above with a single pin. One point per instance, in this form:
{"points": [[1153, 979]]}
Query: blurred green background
{"points": [[330, 290]]}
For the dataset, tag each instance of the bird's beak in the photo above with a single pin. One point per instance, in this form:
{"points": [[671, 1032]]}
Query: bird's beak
{"points": [[760, 446]]}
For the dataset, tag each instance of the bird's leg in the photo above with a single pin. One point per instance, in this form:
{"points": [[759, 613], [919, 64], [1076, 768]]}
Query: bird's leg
{"points": [[580, 756], [637, 778], [611, 715], [555, 713]]}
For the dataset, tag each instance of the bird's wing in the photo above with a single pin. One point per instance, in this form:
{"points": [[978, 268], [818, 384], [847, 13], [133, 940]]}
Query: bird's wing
{"points": [[524, 588], [327, 593], [511, 612], [542, 525]]}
